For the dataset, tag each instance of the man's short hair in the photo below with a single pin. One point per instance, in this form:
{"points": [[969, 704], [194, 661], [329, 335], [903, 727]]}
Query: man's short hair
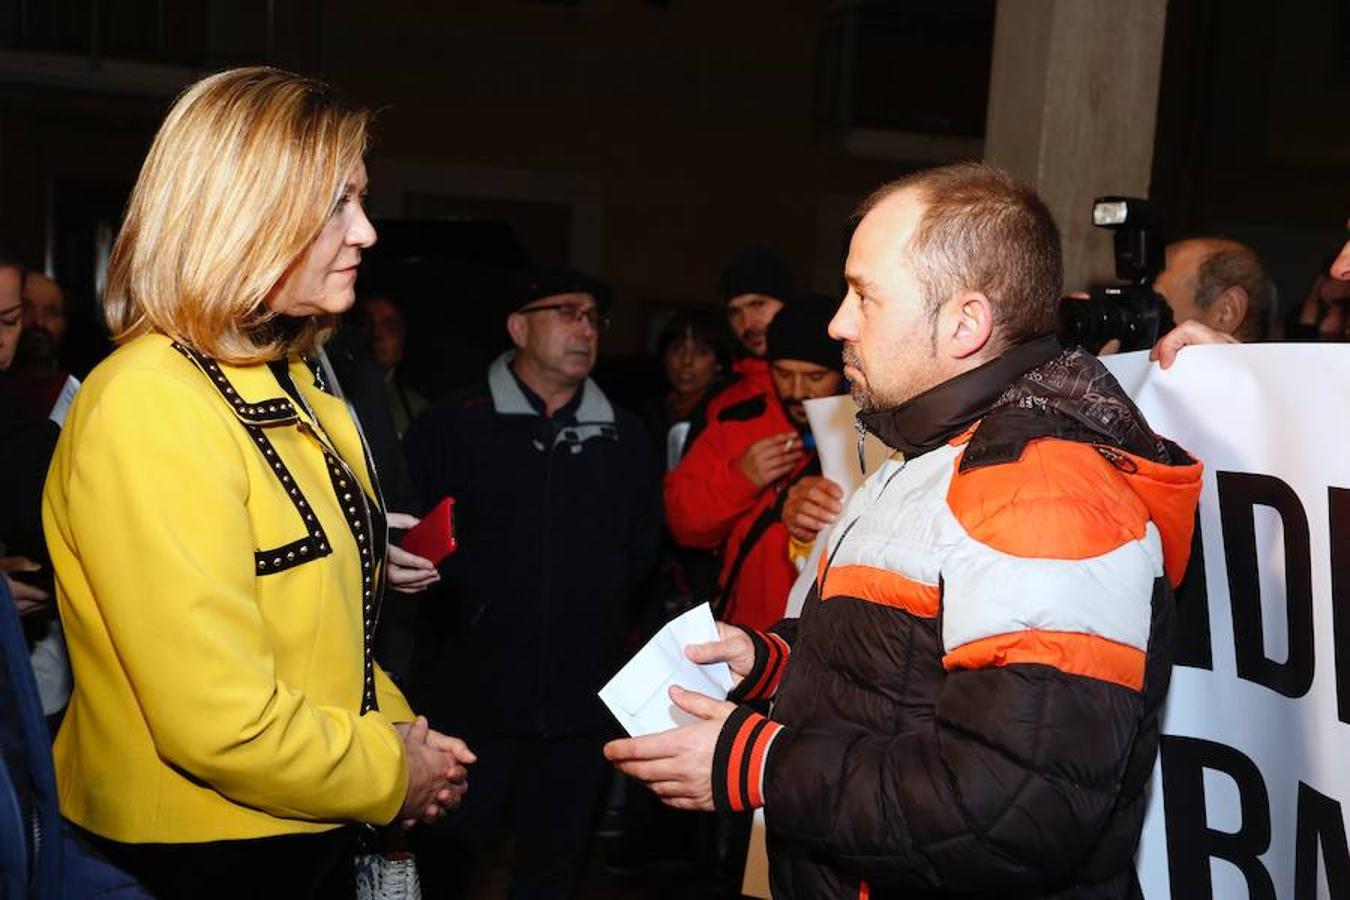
{"points": [[1242, 267], [985, 231]]}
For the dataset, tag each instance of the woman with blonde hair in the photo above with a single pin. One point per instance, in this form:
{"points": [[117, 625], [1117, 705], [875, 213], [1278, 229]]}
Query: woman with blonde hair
{"points": [[216, 526]]}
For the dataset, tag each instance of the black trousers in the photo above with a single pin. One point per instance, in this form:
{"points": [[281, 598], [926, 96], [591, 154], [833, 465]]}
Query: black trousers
{"points": [[293, 867], [548, 789]]}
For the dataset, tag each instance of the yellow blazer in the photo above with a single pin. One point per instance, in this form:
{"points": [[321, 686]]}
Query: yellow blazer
{"points": [[214, 567]]}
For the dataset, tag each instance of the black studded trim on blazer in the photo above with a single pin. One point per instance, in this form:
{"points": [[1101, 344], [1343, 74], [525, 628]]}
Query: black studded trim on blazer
{"points": [[314, 544], [364, 516], [361, 516], [272, 411], [290, 555], [320, 377]]}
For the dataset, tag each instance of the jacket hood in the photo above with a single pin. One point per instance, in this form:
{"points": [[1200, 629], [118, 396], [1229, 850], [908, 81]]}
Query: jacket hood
{"points": [[1040, 390], [1171, 491], [1073, 397]]}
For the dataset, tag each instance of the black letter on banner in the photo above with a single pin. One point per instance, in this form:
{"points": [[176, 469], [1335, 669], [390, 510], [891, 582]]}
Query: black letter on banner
{"points": [[1193, 645], [1239, 493], [1338, 502], [1190, 841], [1320, 822]]}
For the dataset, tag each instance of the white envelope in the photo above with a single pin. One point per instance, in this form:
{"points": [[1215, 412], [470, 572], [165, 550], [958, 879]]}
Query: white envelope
{"points": [[639, 695]]}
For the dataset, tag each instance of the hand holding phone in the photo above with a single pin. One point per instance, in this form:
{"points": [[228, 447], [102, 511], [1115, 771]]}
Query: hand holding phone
{"points": [[433, 538]]}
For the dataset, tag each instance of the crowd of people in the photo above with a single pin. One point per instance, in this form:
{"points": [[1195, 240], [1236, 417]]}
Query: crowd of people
{"points": [[255, 691]]}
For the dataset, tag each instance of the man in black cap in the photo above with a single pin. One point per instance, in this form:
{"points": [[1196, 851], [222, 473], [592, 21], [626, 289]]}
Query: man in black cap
{"points": [[558, 516]]}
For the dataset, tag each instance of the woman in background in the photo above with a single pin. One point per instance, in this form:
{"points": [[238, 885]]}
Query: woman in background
{"points": [[695, 353]]}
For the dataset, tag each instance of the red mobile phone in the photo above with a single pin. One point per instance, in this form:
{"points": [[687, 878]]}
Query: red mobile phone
{"points": [[433, 538]]}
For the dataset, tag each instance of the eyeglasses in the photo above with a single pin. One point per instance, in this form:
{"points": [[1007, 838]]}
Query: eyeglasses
{"points": [[572, 314]]}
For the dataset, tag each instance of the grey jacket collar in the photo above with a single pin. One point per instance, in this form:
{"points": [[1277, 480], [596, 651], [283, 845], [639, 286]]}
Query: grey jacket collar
{"points": [[595, 415]]}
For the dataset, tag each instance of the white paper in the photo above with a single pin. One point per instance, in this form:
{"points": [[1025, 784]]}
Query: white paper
{"points": [[639, 695], [63, 401], [836, 438], [832, 425], [675, 438]]}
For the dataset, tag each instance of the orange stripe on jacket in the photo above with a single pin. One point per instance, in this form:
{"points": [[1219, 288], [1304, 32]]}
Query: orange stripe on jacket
{"points": [[1071, 652], [773, 669], [1061, 500], [882, 587], [734, 764], [1171, 493], [756, 765]]}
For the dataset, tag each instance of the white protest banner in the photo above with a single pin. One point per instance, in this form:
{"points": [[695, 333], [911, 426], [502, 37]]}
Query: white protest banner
{"points": [[1249, 796]]}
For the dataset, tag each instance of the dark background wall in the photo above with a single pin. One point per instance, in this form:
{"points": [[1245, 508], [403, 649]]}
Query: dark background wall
{"points": [[1253, 133], [646, 140]]}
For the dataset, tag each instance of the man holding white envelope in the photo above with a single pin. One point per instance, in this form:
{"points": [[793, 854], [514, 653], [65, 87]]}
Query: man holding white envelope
{"points": [[969, 702]]}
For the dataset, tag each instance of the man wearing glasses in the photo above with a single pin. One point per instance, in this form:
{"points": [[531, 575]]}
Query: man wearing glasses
{"points": [[557, 516]]}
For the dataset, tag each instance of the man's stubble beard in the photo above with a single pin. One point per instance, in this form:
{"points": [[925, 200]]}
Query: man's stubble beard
{"points": [[862, 395], [868, 400]]}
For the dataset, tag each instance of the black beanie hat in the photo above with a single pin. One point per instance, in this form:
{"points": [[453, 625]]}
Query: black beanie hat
{"points": [[800, 332], [757, 269]]}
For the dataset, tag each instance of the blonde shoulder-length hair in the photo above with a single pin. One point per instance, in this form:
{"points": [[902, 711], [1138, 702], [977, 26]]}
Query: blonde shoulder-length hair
{"points": [[239, 181]]}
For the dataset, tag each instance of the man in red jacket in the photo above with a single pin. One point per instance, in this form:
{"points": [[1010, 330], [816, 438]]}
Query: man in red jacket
{"points": [[728, 490], [754, 286]]}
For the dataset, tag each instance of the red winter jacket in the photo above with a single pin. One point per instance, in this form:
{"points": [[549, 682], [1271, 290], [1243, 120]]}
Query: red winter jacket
{"points": [[711, 503], [752, 378]]}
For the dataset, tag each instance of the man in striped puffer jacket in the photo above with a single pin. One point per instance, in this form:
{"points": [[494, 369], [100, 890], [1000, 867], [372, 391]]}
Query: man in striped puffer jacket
{"points": [[968, 705]]}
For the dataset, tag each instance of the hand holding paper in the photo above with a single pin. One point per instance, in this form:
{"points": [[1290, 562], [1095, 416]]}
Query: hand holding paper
{"points": [[639, 696], [674, 707], [677, 764]]}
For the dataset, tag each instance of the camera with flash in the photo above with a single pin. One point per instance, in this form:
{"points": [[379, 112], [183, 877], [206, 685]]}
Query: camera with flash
{"points": [[1133, 312]]}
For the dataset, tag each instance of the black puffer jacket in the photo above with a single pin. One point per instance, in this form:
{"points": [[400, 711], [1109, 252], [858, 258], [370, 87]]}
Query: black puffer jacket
{"points": [[970, 700], [557, 519]]}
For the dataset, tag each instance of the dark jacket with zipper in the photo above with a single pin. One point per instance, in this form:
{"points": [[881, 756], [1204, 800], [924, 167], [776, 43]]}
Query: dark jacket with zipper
{"points": [[557, 519], [968, 705]]}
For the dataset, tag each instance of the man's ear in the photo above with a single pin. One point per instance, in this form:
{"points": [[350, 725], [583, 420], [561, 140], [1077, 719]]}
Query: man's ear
{"points": [[518, 328], [969, 325], [1227, 311]]}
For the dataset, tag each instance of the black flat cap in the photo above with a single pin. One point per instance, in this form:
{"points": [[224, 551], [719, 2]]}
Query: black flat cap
{"points": [[529, 285]]}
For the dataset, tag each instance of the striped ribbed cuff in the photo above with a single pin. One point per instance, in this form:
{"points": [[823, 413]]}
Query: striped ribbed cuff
{"points": [[771, 656], [740, 758]]}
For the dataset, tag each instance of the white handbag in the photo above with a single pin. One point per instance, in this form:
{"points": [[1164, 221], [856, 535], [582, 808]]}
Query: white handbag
{"points": [[385, 874]]}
